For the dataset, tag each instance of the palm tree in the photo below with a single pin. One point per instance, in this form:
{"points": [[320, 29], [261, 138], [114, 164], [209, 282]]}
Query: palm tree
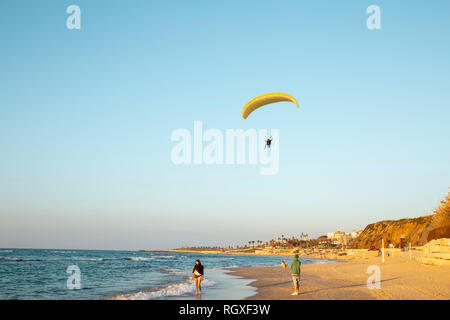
{"points": [[303, 235]]}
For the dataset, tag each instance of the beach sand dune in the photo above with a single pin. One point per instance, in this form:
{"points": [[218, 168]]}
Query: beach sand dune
{"points": [[401, 278]]}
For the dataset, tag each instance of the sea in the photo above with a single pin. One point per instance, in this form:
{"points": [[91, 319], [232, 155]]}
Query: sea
{"points": [[55, 274]]}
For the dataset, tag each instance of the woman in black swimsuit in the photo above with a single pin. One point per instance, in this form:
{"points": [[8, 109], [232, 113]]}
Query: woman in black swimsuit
{"points": [[197, 273]]}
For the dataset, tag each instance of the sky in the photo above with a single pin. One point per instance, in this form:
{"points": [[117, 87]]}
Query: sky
{"points": [[86, 118]]}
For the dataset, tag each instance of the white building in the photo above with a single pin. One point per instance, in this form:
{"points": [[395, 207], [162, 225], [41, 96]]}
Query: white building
{"points": [[339, 237], [356, 233]]}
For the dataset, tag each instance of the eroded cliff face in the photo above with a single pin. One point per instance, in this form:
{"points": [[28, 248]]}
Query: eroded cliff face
{"points": [[392, 231]]}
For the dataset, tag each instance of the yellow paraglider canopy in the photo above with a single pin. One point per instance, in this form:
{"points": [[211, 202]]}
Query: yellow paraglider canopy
{"points": [[264, 99]]}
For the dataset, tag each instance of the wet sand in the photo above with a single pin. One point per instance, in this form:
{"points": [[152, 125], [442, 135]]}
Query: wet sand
{"points": [[401, 279]]}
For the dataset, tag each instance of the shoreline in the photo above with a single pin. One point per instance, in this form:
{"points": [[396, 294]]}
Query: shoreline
{"points": [[231, 285], [220, 284], [401, 279]]}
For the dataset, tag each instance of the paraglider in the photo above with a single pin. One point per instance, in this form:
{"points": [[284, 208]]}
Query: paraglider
{"points": [[265, 99]]}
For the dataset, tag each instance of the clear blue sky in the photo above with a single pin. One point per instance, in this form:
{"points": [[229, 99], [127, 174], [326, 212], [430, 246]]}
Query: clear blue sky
{"points": [[86, 118]]}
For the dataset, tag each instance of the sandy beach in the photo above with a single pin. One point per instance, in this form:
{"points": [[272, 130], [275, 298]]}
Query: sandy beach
{"points": [[401, 279]]}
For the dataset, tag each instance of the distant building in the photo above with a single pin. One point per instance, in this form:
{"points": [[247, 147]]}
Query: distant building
{"points": [[356, 233], [339, 237]]}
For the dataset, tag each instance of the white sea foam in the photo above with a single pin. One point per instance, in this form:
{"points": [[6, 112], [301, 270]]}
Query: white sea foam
{"points": [[323, 262], [74, 258], [223, 259], [50, 259], [89, 259], [6, 251], [139, 258], [9, 258], [175, 271], [178, 289], [62, 251]]}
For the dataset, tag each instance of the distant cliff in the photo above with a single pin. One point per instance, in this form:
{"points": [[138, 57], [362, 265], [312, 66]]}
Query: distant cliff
{"points": [[391, 231], [415, 230]]}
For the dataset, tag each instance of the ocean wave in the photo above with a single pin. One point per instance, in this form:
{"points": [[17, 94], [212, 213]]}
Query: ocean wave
{"points": [[8, 258], [6, 251], [17, 259], [62, 251], [175, 271], [139, 258], [178, 289], [94, 259], [223, 259], [322, 262], [86, 259]]}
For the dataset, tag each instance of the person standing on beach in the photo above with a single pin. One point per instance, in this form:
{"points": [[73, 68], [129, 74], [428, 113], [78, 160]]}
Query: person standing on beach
{"points": [[295, 271], [197, 274]]}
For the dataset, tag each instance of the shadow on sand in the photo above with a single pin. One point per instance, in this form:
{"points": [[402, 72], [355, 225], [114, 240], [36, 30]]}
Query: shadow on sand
{"points": [[344, 287]]}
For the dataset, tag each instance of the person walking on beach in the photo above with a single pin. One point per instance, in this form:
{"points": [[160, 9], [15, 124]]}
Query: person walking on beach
{"points": [[197, 274], [295, 271]]}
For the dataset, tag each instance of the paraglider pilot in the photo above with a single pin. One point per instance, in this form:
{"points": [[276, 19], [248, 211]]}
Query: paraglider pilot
{"points": [[268, 143]]}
